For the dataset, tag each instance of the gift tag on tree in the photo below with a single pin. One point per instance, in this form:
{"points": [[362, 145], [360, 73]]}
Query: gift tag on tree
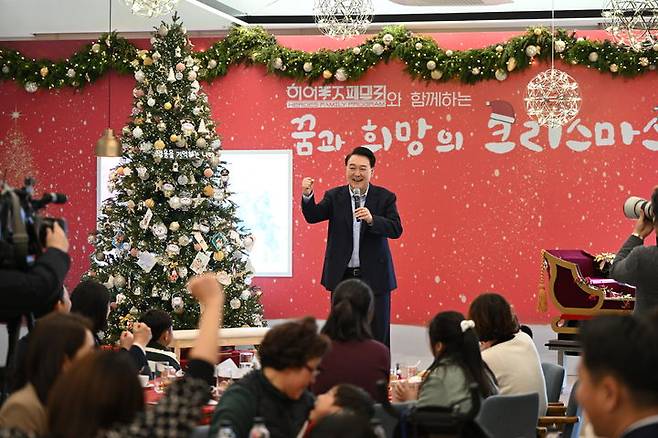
{"points": [[146, 261], [200, 263], [201, 241], [144, 223]]}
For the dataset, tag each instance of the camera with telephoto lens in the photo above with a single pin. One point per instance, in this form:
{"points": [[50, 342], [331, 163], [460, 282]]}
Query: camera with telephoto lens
{"points": [[634, 205], [22, 228]]}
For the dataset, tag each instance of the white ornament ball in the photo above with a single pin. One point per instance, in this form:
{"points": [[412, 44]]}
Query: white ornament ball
{"points": [[137, 132], [174, 226], [614, 68], [178, 76], [212, 63], [96, 48], [501, 74], [341, 75], [184, 240], [593, 57], [377, 49], [387, 39], [419, 46], [69, 73], [150, 101], [644, 61], [499, 48], [560, 46], [436, 74], [31, 87], [174, 202], [5, 69], [531, 51], [537, 31], [475, 70], [245, 294], [139, 76], [223, 278], [235, 303], [308, 66], [201, 142], [119, 281], [277, 63], [191, 76], [449, 52], [356, 50], [431, 65]]}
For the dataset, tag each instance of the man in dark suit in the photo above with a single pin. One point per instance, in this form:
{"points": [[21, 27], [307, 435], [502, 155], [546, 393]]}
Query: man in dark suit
{"points": [[618, 383], [362, 217], [637, 264]]}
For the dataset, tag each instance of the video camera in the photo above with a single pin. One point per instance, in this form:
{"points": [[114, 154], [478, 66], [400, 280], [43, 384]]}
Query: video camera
{"points": [[22, 229]]}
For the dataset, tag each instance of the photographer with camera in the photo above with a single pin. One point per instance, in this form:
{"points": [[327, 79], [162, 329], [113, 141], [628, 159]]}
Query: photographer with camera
{"points": [[635, 263], [39, 286]]}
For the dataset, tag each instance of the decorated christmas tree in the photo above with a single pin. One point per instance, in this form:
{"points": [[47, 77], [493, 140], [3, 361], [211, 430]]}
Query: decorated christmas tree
{"points": [[15, 156], [171, 215]]}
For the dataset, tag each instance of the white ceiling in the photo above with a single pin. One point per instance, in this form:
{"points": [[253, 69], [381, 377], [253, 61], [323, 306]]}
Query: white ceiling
{"points": [[66, 19]]}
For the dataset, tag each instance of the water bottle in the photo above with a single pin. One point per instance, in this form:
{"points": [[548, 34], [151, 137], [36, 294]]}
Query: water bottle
{"points": [[226, 430], [377, 428], [259, 430]]}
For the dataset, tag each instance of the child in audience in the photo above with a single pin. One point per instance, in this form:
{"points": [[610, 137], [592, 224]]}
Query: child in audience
{"points": [[162, 334], [355, 357], [457, 363], [509, 352], [343, 398]]}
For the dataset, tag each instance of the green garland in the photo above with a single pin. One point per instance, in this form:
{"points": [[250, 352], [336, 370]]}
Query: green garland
{"points": [[423, 58]]}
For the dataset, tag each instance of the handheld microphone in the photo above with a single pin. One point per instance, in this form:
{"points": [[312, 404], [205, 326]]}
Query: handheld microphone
{"points": [[357, 199]]}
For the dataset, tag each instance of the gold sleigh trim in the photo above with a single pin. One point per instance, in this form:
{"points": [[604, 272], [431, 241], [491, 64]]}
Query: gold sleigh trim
{"points": [[599, 293]]}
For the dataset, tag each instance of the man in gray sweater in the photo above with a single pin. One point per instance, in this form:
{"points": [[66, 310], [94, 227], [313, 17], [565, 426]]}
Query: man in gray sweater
{"points": [[637, 264]]}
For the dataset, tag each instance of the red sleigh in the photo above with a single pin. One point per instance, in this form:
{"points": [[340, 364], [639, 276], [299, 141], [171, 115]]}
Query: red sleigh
{"points": [[579, 292]]}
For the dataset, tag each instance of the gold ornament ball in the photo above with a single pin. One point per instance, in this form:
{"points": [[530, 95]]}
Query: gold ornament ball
{"points": [[537, 31], [167, 106], [218, 256], [327, 74], [436, 74], [43, 72], [173, 138], [159, 145], [149, 203], [96, 48], [511, 64], [148, 61], [209, 191]]}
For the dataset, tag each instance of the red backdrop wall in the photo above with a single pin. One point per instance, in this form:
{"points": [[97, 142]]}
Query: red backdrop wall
{"points": [[475, 216]]}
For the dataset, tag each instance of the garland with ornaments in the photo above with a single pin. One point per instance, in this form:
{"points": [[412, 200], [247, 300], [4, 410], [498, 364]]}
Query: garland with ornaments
{"points": [[423, 58]]}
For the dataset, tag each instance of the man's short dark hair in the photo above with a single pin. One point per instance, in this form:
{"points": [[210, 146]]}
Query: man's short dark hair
{"points": [[158, 321], [292, 345], [364, 152], [609, 342]]}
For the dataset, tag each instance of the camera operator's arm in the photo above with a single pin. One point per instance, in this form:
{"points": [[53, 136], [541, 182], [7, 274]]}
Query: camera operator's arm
{"points": [[626, 266], [41, 284]]}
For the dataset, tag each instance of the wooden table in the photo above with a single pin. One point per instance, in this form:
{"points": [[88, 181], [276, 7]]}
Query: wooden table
{"points": [[227, 336]]}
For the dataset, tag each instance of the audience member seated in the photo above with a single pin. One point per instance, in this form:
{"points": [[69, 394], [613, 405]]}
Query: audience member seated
{"points": [[457, 363], [91, 299], [509, 352], [289, 355], [100, 396], [16, 369], [343, 398], [617, 379], [162, 334], [355, 357], [56, 342]]}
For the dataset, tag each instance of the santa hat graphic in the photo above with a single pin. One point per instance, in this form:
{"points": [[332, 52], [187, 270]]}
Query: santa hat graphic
{"points": [[502, 111]]}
